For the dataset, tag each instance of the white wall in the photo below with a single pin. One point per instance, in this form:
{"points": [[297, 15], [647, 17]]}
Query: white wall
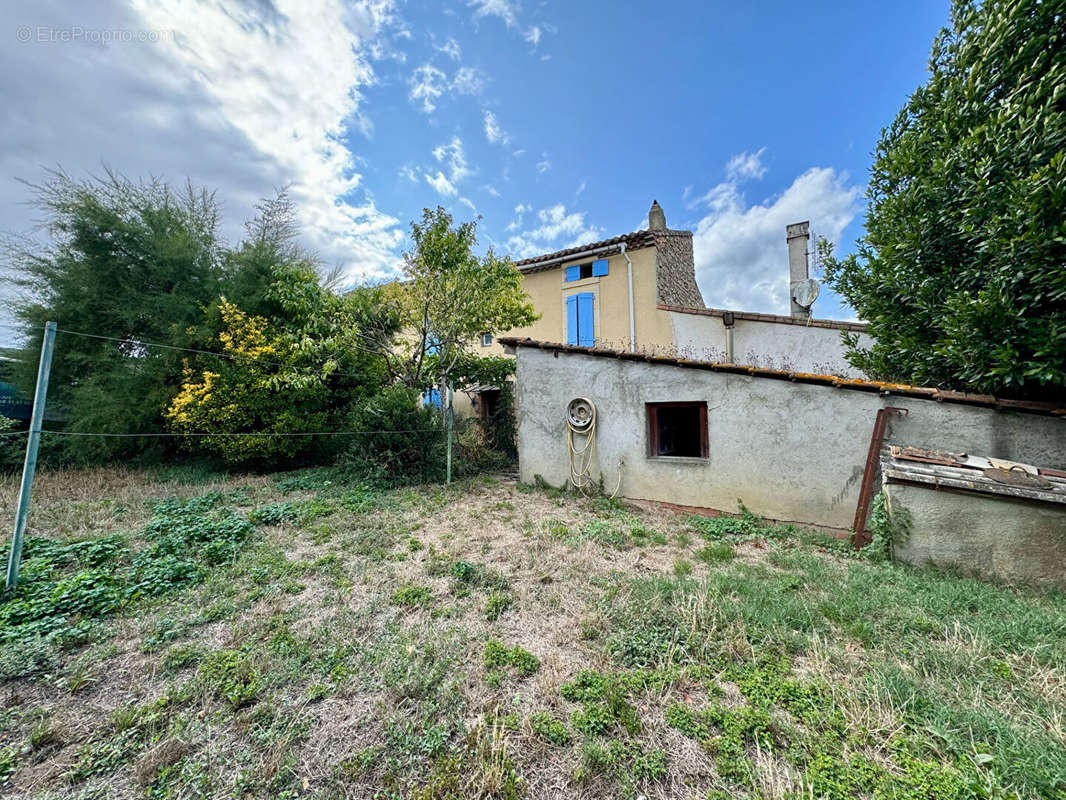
{"points": [[789, 451], [757, 343]]}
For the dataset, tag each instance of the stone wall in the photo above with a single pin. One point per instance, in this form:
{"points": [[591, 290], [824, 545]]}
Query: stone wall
{"points": [[676, 269]]}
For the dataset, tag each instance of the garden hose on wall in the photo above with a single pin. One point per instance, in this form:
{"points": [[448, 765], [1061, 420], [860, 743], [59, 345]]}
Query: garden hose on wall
{"points": [[581, 421]]}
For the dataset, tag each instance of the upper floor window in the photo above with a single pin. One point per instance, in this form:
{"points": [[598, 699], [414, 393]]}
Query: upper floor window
{"points": [[592, 269], [486, 340]]}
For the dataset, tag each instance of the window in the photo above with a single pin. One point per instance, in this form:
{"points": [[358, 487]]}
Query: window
{"points": [[581, 319], [593, 269], [486, 340], [431, 398], [677, 430]]}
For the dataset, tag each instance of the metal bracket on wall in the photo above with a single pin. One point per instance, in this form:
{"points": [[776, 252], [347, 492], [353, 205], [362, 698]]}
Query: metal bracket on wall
{"points": [[861, 537]]}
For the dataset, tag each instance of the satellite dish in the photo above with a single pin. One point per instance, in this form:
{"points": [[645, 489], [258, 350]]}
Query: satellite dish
{"points": [[805, 292]]}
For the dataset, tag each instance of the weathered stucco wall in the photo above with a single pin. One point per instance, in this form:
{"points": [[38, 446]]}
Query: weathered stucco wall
{"points": [[796, 348], [788, 451], [991, 536]]}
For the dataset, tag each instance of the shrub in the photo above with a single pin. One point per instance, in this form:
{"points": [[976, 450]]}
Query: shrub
{"points": [[12, 448], [404, 443]]}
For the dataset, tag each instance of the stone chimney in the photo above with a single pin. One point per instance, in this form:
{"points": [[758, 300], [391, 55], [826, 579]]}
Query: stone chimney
{"points": [[656, 217], [675, 268], [798, 237]]}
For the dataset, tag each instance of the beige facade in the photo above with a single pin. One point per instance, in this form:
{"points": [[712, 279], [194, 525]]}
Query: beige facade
{"points": [[548, 290]]}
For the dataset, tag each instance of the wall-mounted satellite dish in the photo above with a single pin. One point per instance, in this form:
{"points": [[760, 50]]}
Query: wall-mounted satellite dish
{"points": [[805, 292]]}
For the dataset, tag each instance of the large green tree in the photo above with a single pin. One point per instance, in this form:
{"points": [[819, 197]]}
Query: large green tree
{"points": [[446, 298], [961, 274], [123, 259]]}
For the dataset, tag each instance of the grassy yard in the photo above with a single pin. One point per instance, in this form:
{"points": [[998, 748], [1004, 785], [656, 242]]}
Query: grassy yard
{"points": [[297, 636]]}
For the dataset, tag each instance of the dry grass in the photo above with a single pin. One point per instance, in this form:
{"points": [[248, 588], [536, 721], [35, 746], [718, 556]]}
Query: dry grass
{"points": [[356, 696]]}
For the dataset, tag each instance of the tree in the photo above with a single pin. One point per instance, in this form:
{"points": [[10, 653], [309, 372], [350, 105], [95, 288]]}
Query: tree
{"points": [[961, 274], [446, 298], [295, 371], [126, 260]]}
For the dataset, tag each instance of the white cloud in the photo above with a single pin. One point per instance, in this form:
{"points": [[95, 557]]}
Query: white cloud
{"points": [[451, 49], [544, 164], [469, 80], [466, 201], [504, 9], [427, 84], [492, 190], [454, 168], [746, 165], [240, 70], [533, 35], [558, 229], [406, 171], [493, 132], [520, 211], [740, 252]]}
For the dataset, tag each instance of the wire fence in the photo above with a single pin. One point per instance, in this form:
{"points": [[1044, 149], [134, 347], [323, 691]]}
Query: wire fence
{"points": [[391, 441]]}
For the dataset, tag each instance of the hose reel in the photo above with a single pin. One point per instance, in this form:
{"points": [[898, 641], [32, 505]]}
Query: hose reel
{"points": [[581, 415], [581, 422]]}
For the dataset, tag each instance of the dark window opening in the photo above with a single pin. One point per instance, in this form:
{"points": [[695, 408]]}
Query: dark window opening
{"points": [[677, 430], [586, 270]]}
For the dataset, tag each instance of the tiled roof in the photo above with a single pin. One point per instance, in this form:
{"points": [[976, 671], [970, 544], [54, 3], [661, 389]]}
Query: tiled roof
{"points": [[755, 316], [632, 240], [881, 387]]}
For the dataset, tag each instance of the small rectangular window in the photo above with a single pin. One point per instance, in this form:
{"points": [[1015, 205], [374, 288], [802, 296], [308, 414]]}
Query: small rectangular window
{"points": [[486, 340], [593, 269], [677, 430]]}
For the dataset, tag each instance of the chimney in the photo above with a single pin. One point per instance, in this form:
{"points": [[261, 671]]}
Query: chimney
{"points": [[656, 217], [798, 237]]}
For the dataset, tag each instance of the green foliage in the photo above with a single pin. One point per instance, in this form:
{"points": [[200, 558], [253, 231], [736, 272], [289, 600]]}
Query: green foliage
{"points": [[128, 260], [714, 552], [624, 761], [407, 444], [497, 604], [889, 527], [301, 349], [960, 271], [446, 299], [497, 656], [12, 448], [549, 728], [411, 596], [231, 676], [66, 585]]}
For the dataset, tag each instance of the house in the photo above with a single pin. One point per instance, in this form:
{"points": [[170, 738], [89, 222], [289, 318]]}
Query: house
{"points": [[793, 447], [637, 293]]}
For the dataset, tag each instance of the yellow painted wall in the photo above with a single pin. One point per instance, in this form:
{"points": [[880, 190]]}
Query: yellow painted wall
{"points": [[548, 291]]}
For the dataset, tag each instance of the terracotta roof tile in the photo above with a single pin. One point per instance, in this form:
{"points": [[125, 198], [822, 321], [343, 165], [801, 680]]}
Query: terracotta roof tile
{"points": [[632, 240], [925, 392]]}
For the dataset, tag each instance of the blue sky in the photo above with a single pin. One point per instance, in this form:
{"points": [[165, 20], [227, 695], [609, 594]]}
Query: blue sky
{"points": [[557, 122]]}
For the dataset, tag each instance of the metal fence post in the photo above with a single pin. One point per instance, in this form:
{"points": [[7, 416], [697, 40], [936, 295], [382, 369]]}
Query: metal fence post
{"points": [[29, 466]]}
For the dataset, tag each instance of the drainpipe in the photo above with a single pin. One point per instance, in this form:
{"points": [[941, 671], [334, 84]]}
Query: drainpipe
{"points": [[632, 323], [728, 321]]}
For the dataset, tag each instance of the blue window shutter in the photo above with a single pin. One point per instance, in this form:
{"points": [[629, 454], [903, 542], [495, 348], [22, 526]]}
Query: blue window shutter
{"points": [[571, 319], [432, 398], [573, 273], [586, 326], [599, 267]]}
